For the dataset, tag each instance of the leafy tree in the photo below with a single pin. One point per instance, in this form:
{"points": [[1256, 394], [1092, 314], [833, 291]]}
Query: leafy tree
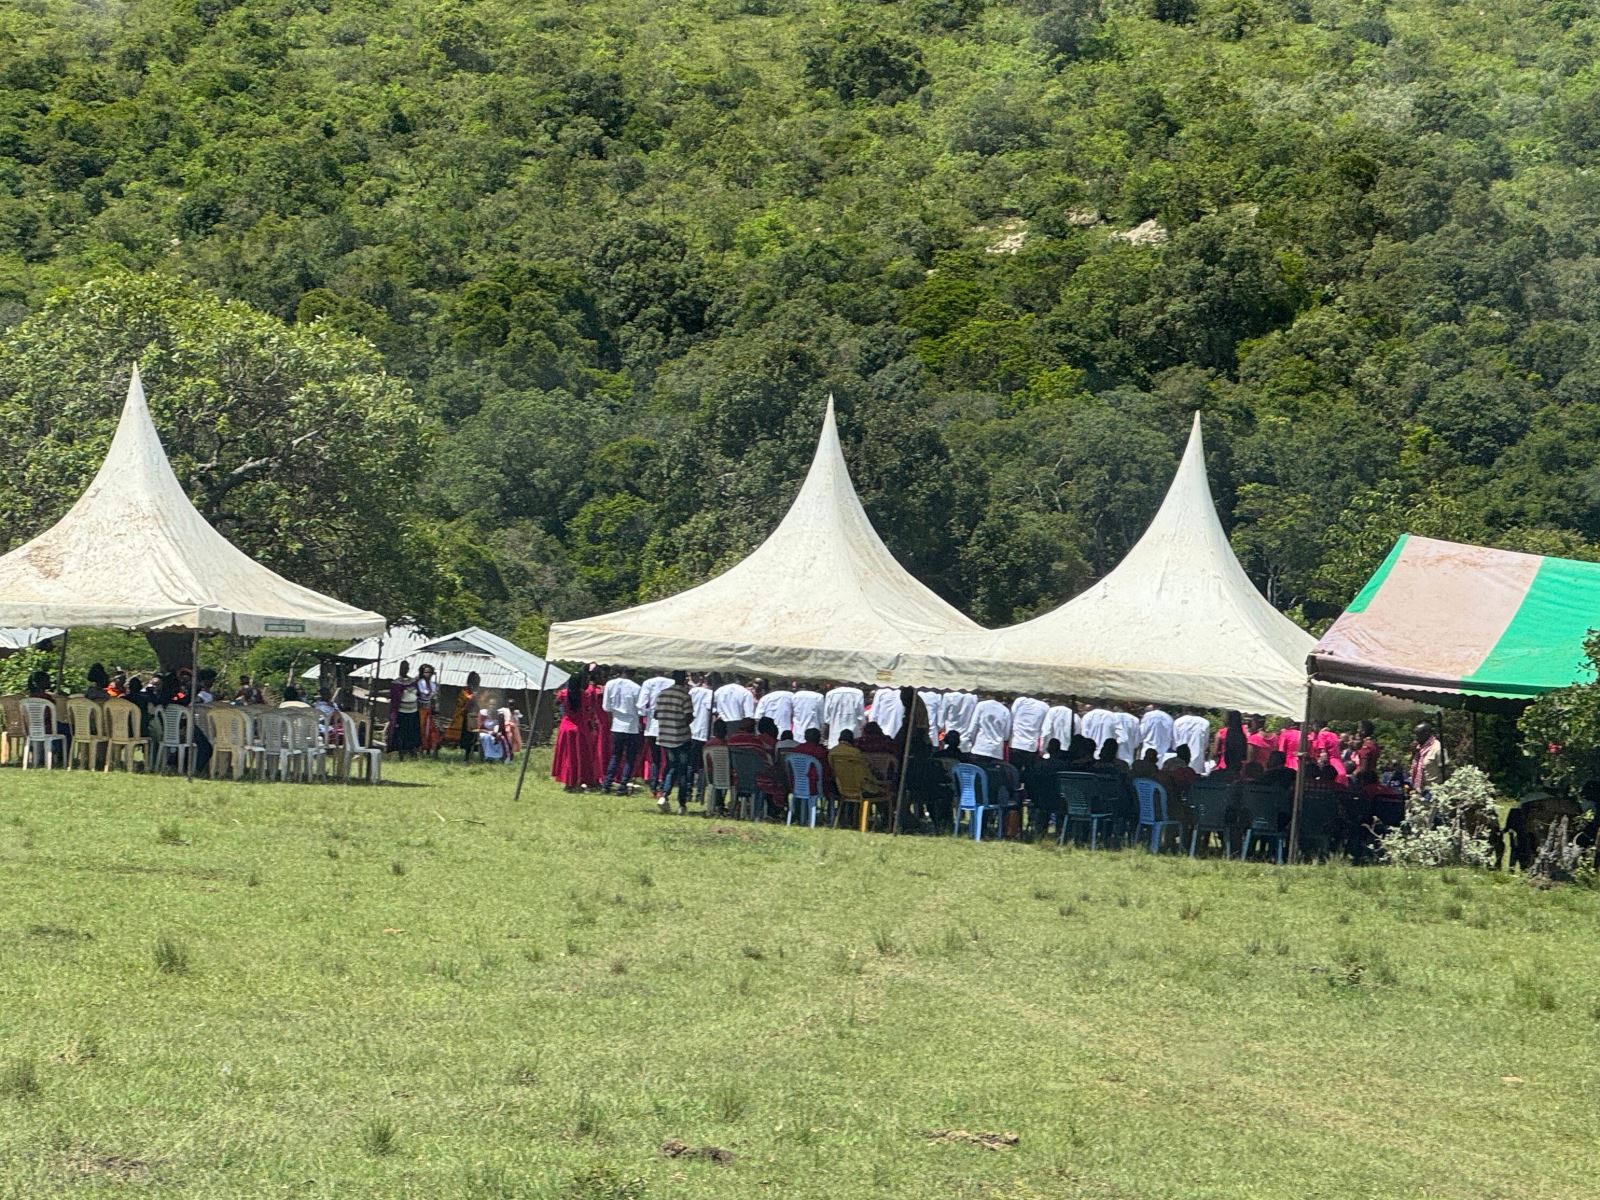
{"points": [[292, 442], [860, 62]]}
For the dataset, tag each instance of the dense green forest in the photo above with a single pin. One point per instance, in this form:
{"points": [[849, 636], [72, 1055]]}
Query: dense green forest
{"points": [[511, 311]]}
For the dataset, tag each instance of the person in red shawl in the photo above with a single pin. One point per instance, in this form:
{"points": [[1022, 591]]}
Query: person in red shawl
{"points": [[573, 762]]}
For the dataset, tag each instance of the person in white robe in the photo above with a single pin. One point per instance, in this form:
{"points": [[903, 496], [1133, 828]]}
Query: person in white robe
{"points": [[1192, 730], [844, 707], [807, 712], [1027, 730], [888, 711], [1156, 733]]}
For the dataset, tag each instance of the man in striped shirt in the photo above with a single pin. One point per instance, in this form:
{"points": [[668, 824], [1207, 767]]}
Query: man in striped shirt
{"points": [[673, 713]]}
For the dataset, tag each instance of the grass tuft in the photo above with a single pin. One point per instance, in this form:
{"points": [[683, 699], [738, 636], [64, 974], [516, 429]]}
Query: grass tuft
{"points": [[379, 1137], [755, 953], [171, 956], [1190, 910], [1533, 994], [397, 867], [19, 1079], [170, 834], [589, 1117], [1069, 909], [729, 1101], [885, 943]]}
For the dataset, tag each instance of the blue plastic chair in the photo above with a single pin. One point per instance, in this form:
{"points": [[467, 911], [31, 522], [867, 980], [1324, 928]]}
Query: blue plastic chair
{"points": [[1264, 804], [805, 786], [972, 791], [1081, 801], [1153, 813]]}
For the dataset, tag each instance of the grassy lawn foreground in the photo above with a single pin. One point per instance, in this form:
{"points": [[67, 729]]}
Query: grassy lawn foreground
{"points": [[240, 990]]}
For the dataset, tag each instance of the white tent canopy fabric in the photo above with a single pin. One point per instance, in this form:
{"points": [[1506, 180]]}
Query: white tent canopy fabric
{"points": [[133, 553], [501, 665], [821, 598], [1176, 621], [21, 639]]}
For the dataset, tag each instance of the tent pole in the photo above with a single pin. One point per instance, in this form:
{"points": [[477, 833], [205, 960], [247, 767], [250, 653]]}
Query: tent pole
{"points": [[194, 688], [372, 686], [1299, 783], [533, 722], [1474, 737], [908, 728], [61, 665]]}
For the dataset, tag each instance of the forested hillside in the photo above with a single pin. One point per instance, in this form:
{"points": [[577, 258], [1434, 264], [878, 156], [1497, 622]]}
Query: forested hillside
{"points": [[511, 310]]}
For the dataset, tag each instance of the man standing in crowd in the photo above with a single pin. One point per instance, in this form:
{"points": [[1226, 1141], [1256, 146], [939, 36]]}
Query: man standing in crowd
{"points": [[1157, 732], [1097, 725], [699, 733], [807, 711], [993, 729], [888, 712], [1125, 728], [621, 702], [648, 691], [1027, 730], [1194, 731], [672, 716], [778, 704], [1060, 723], [844, 707], [734, 703], [1427, 760], [932, 701], [956, 714]]}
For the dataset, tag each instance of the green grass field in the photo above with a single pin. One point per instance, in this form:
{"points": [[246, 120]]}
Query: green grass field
{"points": [[425, 990]]}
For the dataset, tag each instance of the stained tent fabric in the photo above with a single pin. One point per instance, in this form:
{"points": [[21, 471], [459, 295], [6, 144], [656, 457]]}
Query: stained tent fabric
{"points": [[1176, 621], [133, 553], [821, 598], [1457, 623]]}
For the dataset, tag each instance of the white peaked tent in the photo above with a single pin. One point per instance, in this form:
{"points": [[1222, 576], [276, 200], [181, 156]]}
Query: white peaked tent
{"points": [[1177, 621], [133, 553], [821, 598], [501, 665]]}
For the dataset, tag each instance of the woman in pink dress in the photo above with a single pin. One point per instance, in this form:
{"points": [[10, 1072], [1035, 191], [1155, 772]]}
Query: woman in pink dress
{"points": [[573, 762]]}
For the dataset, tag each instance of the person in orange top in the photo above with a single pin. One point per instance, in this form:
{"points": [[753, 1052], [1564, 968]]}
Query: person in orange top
{"points": [[463, 728]]}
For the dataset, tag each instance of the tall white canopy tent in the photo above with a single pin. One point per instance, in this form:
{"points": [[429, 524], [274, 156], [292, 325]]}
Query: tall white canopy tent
{"points": [[133, 553], [821, 598], [12, 640], [1177, 620]]}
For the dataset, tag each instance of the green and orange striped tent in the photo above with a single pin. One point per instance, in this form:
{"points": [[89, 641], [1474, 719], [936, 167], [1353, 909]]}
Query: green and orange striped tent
{"points": [[1465, 625]]}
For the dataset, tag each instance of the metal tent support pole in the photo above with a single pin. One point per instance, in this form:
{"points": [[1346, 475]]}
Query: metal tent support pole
{"points": [[1474, 737], [194, 688], [1299, 782], [372, 687], [533, 723], [61, 664]]}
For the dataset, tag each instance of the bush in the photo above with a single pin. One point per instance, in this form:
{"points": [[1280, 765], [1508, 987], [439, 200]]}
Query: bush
{"points": [[1449, 828]]}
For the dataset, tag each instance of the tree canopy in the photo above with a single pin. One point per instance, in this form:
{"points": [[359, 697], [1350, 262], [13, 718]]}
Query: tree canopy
{"points": [[507, 313]]}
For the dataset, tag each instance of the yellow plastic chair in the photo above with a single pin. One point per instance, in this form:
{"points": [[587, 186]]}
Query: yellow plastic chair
{"points": [[15, 734], [230, 739], [857, 785], [123, 739], [88, 721]]}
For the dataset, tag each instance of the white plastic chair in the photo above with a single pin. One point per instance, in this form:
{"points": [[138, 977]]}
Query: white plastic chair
{"points": [[308, 742], [40, 736], [352, 749], [172, 748], [277, 753]]}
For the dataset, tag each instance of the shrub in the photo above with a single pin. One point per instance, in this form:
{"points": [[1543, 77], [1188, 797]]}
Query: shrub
{"points": [[1447, 828], [1560, 858]]}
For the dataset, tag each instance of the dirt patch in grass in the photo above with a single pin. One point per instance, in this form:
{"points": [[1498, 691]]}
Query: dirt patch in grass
{"points": [[86, 1160], [673, 1148], [960, 1137]]}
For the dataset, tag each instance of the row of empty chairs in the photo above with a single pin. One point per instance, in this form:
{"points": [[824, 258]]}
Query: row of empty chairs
{"points": [[273, 743]]}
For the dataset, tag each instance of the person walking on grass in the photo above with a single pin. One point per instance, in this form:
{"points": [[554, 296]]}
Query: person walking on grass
{"points": [[673, 715]]}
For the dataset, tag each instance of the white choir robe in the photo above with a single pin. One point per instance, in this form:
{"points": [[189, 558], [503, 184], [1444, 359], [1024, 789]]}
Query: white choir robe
{"points": [[1027, 724], [933, 702], [734, 702], [955, 715], [780, 707], [843, 708], [993, 721], [1193, 731], [1126, 730], [887, 711], [1097, 727], [648, 691], [807, 713], [1060, 723], [1156, 733]]}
